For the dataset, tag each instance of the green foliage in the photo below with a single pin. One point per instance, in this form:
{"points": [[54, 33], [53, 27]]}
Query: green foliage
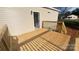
{"points": [[76, 12], [72, 23]]}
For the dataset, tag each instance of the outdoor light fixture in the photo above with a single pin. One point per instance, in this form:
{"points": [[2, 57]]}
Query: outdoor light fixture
{"points": [[48, 12]]}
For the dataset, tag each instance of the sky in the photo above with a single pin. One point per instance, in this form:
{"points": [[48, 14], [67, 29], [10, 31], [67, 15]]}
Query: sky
{"points": [[73, 8], [65, 9]]}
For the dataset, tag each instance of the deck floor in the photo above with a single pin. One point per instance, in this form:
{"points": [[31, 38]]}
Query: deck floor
{"points": [[39, 44], [47, 41]]}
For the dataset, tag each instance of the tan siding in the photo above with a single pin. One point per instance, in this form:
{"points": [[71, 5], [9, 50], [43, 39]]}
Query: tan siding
{"points": [[20, 20]]}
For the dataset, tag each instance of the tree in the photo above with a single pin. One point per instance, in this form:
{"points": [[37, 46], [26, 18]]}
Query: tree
{"points": [[67, 14], [64, 11], [76, 12]]}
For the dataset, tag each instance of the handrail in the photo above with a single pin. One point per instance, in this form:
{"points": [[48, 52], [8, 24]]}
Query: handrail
{"points": [[60, 26], [4, 38], [63, 30], [50, 25]]}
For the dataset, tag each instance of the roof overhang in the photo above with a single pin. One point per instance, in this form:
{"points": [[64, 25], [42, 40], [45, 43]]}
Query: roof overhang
{"points": [[51, 8]]}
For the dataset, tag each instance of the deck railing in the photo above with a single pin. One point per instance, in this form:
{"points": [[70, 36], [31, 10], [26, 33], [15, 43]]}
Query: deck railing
{"points": [[55, 26], [11, 43], [4, 39], [63, 29]]}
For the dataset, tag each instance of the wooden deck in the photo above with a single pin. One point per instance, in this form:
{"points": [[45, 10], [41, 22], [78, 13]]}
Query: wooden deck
{"points": [[42, 40], [37, 40], [39, 44], [27, 36], [57, 39]]}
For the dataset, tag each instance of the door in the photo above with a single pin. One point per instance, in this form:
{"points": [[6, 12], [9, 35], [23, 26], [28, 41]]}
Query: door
{"points": [[36, 19]]}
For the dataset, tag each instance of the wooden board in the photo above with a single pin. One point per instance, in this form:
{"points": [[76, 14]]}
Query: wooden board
{"points": [[39, 44], [49, 41], [27, 36], [77, 44], [4, 38], [57, 39]]}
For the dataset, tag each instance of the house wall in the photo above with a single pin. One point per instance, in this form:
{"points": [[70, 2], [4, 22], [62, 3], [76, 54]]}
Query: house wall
{"points": [[20, 20], [45, 14], [72, 17]]}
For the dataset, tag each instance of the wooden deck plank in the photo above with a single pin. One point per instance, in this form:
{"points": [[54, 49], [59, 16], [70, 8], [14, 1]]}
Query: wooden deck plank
{"points": [[39, 44], [52, 47], [41, 48], [58, 39], [30, 46], [47, 44], [27, 47], [36, 45], [24, 48], [27, 36], [49, 41], [21, 48]]}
